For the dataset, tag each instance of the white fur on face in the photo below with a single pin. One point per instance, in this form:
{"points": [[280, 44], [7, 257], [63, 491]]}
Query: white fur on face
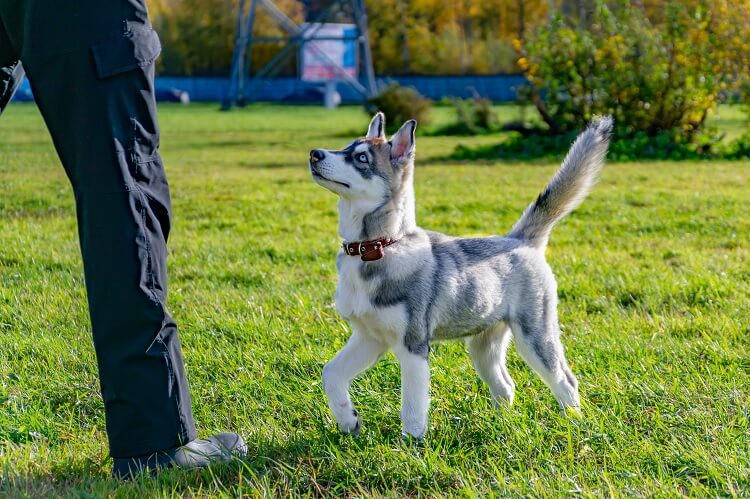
{"points": [[337, 175], [360, 190]]}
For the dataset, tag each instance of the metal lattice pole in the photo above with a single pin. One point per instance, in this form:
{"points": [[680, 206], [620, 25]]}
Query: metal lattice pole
{"points": [[298, 36], [360, 15]]}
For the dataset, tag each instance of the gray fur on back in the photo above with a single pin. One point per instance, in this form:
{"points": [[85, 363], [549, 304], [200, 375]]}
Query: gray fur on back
{"points": [[569, 185], [459, 287]]}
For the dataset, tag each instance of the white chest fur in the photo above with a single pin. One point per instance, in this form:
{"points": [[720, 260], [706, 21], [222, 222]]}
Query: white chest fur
{"points": [[353, 293], [354, 302]]}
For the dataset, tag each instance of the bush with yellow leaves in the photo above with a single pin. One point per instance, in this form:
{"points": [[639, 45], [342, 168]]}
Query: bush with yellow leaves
{"points": [[653, 77]]}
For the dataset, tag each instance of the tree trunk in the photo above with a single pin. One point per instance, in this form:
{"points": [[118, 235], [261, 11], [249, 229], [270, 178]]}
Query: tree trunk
{"points": [[405, 55], [548, 119]]}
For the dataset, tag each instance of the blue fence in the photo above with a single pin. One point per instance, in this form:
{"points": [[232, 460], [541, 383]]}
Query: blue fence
{"points": [[499, 88]]}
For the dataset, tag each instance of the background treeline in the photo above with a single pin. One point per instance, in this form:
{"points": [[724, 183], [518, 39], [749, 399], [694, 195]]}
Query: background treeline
{"points": [[407, 36]]}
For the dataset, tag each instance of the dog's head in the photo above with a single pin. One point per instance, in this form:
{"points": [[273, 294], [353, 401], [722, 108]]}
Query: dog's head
{"points": [[369, 169]]}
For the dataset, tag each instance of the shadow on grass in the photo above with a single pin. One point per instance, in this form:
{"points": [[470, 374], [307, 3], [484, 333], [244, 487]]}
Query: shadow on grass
{"points": [[636, 146], [269, 464], [68, 477]]}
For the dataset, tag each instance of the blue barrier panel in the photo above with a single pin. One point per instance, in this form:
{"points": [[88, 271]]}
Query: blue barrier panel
{"points": [[23, 92], [499, 88]]}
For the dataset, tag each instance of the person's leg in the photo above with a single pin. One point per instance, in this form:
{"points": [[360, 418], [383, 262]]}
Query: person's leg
{"points": [[11, 70], [91, 67], [99, 106]]}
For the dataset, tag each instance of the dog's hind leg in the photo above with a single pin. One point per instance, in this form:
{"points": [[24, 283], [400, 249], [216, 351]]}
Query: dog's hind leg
{"points": [[359, 353], [488, 353], [537, 339]]}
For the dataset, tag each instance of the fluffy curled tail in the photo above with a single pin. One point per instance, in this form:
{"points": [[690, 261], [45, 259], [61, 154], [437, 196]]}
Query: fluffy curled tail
{"points": [[568, 187]]}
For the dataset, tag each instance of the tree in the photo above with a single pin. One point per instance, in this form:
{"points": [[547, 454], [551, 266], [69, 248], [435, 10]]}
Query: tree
{"points": [[407, 36], [651, 77]]}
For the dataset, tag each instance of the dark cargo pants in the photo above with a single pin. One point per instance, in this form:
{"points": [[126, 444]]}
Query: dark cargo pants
{"points": [[91, 68]]}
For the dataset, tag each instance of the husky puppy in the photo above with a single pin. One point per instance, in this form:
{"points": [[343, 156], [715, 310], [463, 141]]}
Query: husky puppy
{"points": [[401, 287]]}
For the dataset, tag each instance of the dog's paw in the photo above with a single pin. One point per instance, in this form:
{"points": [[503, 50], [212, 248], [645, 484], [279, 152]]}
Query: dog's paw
{"points": [[502, 404], [573, 412], [351, 425], [414, 430], [409, 440]]}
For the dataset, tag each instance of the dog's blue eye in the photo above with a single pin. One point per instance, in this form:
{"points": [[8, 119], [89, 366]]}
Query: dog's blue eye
{"points": [[362, 158]]}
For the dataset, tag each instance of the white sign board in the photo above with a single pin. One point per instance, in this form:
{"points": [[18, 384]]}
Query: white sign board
{"points": [[321, 51]]}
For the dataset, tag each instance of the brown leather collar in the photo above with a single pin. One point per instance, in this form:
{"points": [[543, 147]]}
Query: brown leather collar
{"points": [[368, 250]]}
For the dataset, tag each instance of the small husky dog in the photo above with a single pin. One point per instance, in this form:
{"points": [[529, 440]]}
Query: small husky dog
{"points": [[401, 287]]}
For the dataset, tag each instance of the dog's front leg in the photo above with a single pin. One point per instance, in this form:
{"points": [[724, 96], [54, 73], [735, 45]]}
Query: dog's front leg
{"points": [[359, 353], [415, 391]]}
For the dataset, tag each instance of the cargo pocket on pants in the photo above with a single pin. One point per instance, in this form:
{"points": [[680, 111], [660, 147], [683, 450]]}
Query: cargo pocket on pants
{"points": [[137, 46], [126, 61]]}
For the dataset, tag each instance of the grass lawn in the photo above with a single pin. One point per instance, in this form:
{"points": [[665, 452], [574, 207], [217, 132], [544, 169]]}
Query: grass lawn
{"points": [[654, 284]]}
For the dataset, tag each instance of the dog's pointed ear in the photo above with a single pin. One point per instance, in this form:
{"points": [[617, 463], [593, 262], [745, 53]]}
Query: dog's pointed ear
{"points": [[403, 142], [377, 127]]}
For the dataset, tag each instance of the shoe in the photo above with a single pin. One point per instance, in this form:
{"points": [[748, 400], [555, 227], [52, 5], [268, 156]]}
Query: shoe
{"points": [[196, 454]]}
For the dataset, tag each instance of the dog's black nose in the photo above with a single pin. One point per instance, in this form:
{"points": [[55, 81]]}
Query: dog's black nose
{"points": [[316, 155]]}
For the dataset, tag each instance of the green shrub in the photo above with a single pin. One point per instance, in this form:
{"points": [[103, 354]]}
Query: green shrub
{"points": [[476, 115], [473, 117], [740, 147], [399, 105], [655, 79], [484, 114], [630, 147]]}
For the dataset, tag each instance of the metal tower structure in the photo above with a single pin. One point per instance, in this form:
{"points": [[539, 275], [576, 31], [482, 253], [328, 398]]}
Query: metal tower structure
{"points": [[317, 13]]}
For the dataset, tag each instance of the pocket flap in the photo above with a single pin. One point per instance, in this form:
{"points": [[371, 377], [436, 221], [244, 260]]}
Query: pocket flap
{"points": [[137, 47]]}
